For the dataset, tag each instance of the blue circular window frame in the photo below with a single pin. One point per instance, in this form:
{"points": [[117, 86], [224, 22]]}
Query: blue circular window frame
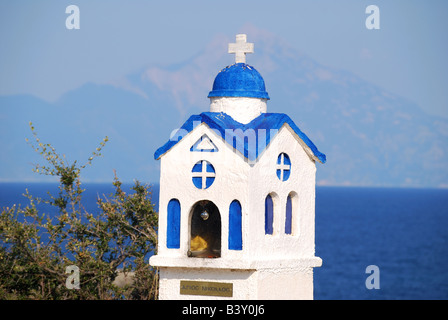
{"points": [[198, 174], [286, 172]]}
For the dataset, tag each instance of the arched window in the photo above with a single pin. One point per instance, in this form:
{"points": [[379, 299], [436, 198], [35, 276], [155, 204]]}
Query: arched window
{"points": [[288, 220], [291, 225], [235, 227], [173, 225], [268, 215]]}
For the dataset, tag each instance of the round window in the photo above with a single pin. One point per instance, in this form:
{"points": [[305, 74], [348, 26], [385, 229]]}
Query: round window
{"points": [[203, 174], [283, 167]]}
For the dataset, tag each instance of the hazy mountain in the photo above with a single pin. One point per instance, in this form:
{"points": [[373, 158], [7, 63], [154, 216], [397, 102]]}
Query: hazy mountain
{"points": [[370, 136]]}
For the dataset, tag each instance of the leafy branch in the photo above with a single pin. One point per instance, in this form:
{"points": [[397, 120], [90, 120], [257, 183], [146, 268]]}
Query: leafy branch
{"points": [[37, 246]]}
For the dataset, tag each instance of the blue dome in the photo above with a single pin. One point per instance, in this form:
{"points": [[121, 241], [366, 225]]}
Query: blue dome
{"points": [[239, 80]]}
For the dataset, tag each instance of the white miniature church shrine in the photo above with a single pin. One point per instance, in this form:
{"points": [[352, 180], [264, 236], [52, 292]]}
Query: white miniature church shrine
{"points": [[237, 197]]}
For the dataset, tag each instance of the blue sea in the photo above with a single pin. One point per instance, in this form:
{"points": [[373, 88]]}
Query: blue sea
{"points": [[403, 232]]}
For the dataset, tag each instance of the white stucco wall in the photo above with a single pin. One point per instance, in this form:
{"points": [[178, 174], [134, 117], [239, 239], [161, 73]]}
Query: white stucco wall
{"points": [[176, 182], [269, 266], [274, 280], [263, 181], [242, 109], [244, 283]]}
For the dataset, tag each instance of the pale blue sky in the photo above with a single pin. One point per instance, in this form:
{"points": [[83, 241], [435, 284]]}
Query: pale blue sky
{"points": [[39, 56]]}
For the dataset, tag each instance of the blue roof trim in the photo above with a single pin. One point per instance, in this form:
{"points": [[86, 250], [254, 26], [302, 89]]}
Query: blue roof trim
{"points": [[250, 139]]}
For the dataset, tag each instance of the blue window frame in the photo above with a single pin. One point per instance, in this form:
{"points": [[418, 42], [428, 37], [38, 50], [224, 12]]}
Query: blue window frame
{"points": [[203, 174], [173, 225], [268, 215], [235, 226], [283, 167], [288, 220]]}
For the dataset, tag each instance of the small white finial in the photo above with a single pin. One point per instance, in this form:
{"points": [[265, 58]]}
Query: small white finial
{"points": [[240, 48]]}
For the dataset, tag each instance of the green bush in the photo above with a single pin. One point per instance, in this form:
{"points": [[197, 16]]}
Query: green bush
{"points": [[37, 248]]}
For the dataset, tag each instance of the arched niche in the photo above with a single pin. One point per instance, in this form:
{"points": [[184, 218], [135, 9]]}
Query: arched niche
{"points": [[205, 230]]}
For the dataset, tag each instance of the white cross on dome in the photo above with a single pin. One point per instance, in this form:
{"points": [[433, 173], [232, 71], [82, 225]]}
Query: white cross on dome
{"points": [[240, 48]]}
